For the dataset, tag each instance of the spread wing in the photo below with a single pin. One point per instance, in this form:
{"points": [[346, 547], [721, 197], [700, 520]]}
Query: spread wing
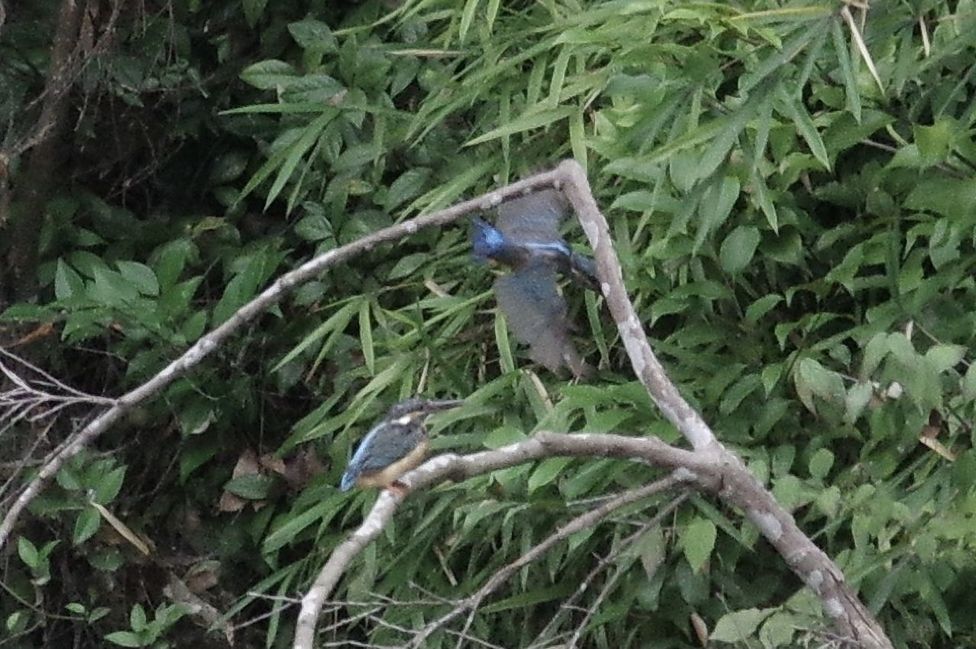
{"points": [[532, 218], [536, 313]]}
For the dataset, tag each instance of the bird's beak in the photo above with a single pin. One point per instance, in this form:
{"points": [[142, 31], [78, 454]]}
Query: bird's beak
{"points": [[445, 404]]}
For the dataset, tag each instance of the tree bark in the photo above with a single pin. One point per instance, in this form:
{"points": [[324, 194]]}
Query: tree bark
{"points": [[33, 187]]}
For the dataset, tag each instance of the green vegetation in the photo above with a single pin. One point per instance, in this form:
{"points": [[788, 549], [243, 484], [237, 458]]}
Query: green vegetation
{"points": [[799, 236]]}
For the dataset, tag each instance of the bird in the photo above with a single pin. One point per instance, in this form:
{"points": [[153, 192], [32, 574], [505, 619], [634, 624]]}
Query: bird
{"points": [[395, 445], [526, 238]]}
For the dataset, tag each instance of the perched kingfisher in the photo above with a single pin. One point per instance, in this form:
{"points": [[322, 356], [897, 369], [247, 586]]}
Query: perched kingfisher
{"points": [[526, 238], [393, 446]]}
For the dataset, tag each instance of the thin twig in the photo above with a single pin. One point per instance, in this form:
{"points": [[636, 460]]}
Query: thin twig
{"points": [[246, 314], [691, 467], [581, 522], [569, 604], [712, 466]]}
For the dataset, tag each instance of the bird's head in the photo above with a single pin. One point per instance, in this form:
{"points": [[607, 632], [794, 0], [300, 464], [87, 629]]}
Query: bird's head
{"points": [[416, 409], [486, 240]]}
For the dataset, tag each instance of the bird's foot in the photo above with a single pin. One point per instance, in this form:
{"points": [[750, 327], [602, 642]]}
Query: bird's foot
{"points": [[398, 489]]}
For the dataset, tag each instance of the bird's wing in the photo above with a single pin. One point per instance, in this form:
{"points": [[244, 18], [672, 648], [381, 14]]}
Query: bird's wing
{"points": [[383, 445], [532, 218], [536, 313]]}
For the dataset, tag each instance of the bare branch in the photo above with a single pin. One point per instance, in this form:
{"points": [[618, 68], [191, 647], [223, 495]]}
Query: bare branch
{"points": [[712, 467], [216, 337], [600, 567], [455, 467], [739, 486]]}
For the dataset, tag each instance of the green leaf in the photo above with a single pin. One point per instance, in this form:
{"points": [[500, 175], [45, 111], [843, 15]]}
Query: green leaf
{"points": [[28, 553], [698, 541], [197, 451], [140, 276], [240, 289], [804, 125], [408, 265], [846, 70], [170, 259], [125, 639], [76, 607], [253, 486], [111, 289], [311, 34], [293, 524], [16, 622], [86, 525], [194, 326], [547, 471], [945, 357], [503, 436], [527, 121], [528, 598], [762, 306], [137, 618], [196, 416], [287, 159], [366, 338], [813, 379], [738, 249], [858, 397], [314, 227], [874, 352], [969, 383], [902, 349], [739, 626], [820, 463], [716, 205], [407, 187], [108, 486], [505, 357], [467, 16], [253, 10], [67, 282], [268, 75], [934, 142]]}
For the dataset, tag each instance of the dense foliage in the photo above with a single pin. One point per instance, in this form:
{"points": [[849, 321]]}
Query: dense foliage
{"points": [[797, 227]]}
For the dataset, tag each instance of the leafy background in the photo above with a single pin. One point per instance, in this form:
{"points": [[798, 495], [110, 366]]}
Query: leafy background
{"points": [[797, 234]]}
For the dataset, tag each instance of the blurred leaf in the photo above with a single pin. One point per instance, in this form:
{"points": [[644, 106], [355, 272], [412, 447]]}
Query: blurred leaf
{"points": [[313, 34], [267, 75], [27, 552], [739, 626], [67, 282], [738, 248], [820, 463], [85, 525], [698, 541], [547, 471]]}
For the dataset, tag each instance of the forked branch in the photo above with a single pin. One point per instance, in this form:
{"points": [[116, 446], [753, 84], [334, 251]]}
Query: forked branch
{"points": [[712, 467]]}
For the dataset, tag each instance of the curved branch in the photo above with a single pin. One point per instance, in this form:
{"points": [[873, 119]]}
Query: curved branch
{"points": [[216, 337], [840, 603], [460, 467], [713, 466]]}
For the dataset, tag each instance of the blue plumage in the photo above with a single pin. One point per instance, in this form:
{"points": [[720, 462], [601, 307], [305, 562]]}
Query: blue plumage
{"points": [[526, 238], [394, 445]]}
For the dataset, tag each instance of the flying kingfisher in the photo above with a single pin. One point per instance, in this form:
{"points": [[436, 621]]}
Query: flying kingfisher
{"points": [[395, 445], [526, 238]]}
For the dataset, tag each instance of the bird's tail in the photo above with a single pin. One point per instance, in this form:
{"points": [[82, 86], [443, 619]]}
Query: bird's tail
{"points": [[582, 269]]}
